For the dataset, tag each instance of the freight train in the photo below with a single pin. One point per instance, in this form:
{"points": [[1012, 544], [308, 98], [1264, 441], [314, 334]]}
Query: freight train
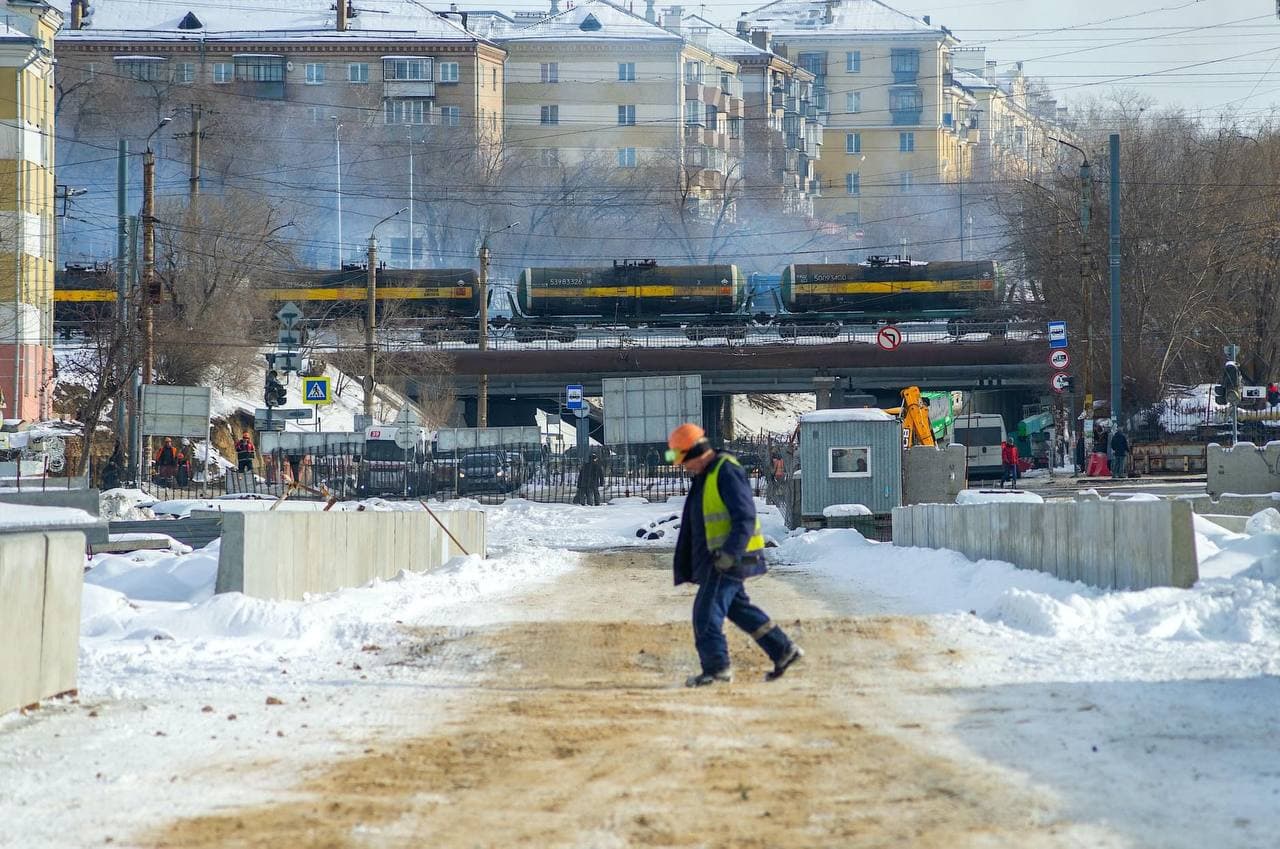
{"points": [[555, 303]]}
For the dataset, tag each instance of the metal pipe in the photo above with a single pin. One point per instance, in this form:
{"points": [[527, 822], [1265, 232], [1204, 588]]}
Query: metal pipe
{"points": [[1114, 263]]}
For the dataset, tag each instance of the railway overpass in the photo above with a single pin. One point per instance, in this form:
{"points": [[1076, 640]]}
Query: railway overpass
{"points": [[1008, 370]]}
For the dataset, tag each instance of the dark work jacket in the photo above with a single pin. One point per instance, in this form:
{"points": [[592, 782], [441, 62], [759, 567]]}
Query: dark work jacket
{"points": [[1119, 443], [693, 561]]}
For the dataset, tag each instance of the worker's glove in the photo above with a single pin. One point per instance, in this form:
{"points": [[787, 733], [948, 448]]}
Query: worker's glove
{"points": [[725, 561]]}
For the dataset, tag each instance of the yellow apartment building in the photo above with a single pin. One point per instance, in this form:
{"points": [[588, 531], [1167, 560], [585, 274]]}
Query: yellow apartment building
{"points": [[26, 207]]}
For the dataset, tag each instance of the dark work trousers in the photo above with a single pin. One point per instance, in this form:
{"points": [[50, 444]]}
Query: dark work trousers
{"points": [[722, 596]]}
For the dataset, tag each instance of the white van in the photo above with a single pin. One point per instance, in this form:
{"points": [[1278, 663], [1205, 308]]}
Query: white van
{"points": [[981, 434]]}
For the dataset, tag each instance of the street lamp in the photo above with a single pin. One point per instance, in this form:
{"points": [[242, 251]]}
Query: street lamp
{"points": [[482, 392], [149, 252], [371, 312], [337, 145], [1086, 291]]}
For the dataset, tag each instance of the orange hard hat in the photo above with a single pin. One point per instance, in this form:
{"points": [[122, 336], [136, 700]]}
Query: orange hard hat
{"points": [[682, 440]]}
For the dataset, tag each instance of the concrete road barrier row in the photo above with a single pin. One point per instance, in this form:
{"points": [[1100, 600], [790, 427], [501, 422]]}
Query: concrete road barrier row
{"points": [[1111, 545], [276, 555], [1242, 468], [41, 579]]}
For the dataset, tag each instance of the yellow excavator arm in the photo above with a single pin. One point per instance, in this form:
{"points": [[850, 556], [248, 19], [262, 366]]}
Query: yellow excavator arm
{"points": [[916, 428]]}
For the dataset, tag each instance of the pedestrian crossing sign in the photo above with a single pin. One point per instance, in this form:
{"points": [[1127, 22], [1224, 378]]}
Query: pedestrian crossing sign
{"points": [[315, 390]]}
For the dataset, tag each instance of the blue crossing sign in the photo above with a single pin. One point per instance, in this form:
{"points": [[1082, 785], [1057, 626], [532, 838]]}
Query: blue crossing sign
{"points": [[315, 390]]}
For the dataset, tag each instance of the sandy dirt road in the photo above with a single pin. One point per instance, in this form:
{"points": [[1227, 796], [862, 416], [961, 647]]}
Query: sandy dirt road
{"points": [[570, 727]]}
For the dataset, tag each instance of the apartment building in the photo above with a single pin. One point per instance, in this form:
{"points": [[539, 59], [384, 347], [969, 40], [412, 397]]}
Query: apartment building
{"points": [[1013, 120], [597, 83], [782, 119], [884, 76], [26, 207], [376, 73]]}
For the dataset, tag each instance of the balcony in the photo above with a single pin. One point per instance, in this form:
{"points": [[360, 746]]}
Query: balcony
{"points": [[737, 147], [815, 188], [693, 134], [777, 100], [692, 90], [408, 88], [905, 117]]}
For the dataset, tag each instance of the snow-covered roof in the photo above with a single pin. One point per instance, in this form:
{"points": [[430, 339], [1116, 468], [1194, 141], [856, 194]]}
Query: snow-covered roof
{"points": [[852, 17], [594, 20], [252, 20], [718, 39], [857, 414], [970, 80]]}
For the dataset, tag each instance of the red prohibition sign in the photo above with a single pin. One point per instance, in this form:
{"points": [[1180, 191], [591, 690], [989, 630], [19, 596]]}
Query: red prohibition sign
{"points": [[889, 337]]}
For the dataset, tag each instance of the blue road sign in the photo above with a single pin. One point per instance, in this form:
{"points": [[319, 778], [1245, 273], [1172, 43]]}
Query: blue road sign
{"points": [[573, 397], [1057, 334], [315, 390]]}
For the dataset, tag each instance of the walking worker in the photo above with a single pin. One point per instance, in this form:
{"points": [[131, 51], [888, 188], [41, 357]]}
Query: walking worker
{"points": [[1009, 462], [244, 452], [1119, 448], [719, 547]]}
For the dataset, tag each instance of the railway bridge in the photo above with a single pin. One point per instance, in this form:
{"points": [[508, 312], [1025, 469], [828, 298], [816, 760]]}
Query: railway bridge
{"points": [[1004, 370]]}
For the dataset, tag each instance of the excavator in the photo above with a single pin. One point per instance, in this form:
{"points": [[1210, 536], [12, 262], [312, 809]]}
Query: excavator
{"points": [[917, 426]]}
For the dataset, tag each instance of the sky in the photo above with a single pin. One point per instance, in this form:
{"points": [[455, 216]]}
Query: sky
{"points": [[1203, 55]]}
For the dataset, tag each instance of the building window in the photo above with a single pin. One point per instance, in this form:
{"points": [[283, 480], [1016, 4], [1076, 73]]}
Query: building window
{"points": [[713, 119], [626, 157], [905, 105], [260, 69], [627, 72], [549, 157], [315, 73], [853, 183], [693, 113], [549, 72], [450, 116], [849, 462], [223, 72], [853, 62], [184, 73], [905, 64], [735, 128], [448, 72], [905, 181], [144, 68], [317, 114], [493, 78], [358, 72], [693, 72], [906, 142], [853, 142], [550, 115], [626, 116], [407, 70], [407, 110], [853, 102]]}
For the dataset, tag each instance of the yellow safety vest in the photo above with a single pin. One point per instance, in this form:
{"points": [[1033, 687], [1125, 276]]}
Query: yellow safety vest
{"points": [[715, 513]]}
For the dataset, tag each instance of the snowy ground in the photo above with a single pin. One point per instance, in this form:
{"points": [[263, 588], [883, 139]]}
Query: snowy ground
{"points": [[1138, 719]]}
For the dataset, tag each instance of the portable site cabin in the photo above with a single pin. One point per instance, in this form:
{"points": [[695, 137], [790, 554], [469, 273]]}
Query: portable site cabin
{"points": [[850, 457]]}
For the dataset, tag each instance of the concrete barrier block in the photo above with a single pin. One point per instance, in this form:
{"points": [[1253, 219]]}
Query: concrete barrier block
{"points": [[1137, 541], [1182, 542], [63, 589], [22, 578]]}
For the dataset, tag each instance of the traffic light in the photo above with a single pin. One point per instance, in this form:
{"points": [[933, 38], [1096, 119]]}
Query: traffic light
{"points": [[274, 393], [1219, 394], [1071, 385], [1231, 382], [1273, 394]]}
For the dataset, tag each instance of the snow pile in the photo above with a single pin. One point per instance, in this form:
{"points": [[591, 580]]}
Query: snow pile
{"points": [[990, 496], [116, 505], [833, 511], [1264, 521]]}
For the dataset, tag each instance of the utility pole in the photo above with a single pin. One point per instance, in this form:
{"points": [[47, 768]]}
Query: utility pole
{"points": [[194, 180], [482, 389], [410, 252], [1114, 263], [1086, 291], [371, 312], [337, 145], [148, 263], [122, 288], [370, 323]]}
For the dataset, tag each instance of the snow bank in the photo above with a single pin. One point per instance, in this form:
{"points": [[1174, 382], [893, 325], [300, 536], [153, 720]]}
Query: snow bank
{"points": [[988, 496], [18, 516], [832, 511], [122, 504]]}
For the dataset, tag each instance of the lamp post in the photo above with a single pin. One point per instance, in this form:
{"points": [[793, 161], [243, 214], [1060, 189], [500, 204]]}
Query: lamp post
{"points": [[149, 254], [337, 146], [482, 391], [1086, 291], [371, 312]]}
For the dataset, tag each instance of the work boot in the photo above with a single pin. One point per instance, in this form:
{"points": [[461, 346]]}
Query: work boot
{"points": [[780, 666], [703, 679]]}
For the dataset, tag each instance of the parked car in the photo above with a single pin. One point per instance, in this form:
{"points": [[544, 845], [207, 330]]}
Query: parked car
{"points": [[486, 471]]}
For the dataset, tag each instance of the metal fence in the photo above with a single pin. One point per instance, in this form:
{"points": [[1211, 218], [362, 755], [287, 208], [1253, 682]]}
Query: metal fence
{"points": [[1194, 417], [489, 475]]}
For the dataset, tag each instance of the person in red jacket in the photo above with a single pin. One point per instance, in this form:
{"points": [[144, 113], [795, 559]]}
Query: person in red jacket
{"points": [[1009, 459]]}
